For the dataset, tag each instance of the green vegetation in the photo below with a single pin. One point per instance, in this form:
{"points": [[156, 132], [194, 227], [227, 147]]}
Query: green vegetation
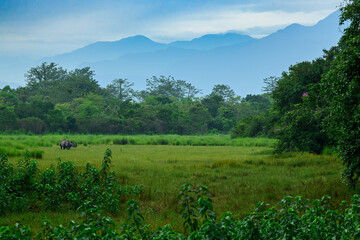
{"points": [[316, 104], [21, 143], [238, 172], [57, 101], [341, 86], [297, 218], [297, 111], [25, 187], [310, 109]]}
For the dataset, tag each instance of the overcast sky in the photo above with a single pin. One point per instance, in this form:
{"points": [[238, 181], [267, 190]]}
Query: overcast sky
{"points": [[39, 28]]}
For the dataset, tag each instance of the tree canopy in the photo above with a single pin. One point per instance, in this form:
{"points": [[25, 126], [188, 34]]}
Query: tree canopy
{"points": [[57, 100]]}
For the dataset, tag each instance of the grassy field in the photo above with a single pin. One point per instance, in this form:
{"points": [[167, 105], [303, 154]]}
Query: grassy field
{"points": [[238, 172]]}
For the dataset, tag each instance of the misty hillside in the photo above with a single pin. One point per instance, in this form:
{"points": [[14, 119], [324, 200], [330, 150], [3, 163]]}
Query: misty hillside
{"points": [[107, 50], [210, 41], [234, 59]]}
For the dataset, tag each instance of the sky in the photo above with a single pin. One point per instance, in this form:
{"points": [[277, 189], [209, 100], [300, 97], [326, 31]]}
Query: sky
{"points": [[41, 28]]}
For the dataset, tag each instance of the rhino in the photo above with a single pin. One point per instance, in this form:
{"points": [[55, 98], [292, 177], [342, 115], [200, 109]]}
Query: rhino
{"points": [[67, 144]]}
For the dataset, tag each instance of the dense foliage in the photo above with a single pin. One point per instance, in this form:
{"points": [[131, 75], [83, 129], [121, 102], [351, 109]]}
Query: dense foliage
{"points": [[297, 112], [57, 100], [292, 218], [341, 86], [24, 187]]}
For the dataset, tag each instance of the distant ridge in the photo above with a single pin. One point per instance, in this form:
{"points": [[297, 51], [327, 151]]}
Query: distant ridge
{"points": [[211, 41], [233, 59], [106, 50]]}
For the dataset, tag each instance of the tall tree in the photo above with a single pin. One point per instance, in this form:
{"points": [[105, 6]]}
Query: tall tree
{"points": [[120, 89], [169, 87], [293, 84], [84, 72], [271, 83], [224, 91], [213, 103], [44, 76], [8, 97], [341, 86], [78, 83]]}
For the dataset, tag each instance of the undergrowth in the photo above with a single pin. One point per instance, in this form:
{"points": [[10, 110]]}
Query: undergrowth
{"points": [[24, 187], [291, 218]]}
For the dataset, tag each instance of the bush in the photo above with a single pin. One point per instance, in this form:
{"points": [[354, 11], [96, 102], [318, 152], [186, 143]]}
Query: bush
{"points": [[291, 218], [163, 141], [63, 186], [38, 154], [121, 141], [301, 130]]}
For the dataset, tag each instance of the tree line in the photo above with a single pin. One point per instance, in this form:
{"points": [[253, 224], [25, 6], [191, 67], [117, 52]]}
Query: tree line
{"points": [[55, 100]]}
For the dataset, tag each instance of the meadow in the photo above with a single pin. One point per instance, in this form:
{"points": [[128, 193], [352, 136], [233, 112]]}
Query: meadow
{"points": [[238, 172]]}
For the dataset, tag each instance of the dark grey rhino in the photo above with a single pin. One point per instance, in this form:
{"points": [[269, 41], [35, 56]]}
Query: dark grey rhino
{"points": [[66, 144]]}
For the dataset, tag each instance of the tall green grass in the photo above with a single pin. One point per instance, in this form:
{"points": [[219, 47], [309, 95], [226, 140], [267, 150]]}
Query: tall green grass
{"points": [[238, 172], [27, 141]]}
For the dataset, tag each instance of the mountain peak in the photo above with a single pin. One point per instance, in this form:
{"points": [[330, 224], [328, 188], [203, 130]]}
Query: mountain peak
{"points": [[107, 50], [137, 38], [332, 19]]}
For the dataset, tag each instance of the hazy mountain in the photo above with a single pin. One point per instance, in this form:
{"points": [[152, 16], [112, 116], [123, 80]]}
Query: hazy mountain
{"points": [[106, 50], [100, 51], [234, 59], [211, 41], [243, 66]]}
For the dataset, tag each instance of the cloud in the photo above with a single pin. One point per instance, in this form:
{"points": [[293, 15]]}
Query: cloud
{"points": [[56, 34], [234, 19], [53, 27]]}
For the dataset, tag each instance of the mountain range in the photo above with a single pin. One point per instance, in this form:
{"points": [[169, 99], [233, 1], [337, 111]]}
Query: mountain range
{"points": [[240, 61]]}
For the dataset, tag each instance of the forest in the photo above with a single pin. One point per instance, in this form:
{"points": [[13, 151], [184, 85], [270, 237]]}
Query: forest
{"points": [[55, 100]]}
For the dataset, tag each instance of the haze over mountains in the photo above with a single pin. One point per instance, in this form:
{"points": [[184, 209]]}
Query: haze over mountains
{"points": [[239, 61]]}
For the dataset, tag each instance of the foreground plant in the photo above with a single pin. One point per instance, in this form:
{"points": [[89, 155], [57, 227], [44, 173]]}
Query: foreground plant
{"points": [[292, 218], [195, 206], [25, 187]]}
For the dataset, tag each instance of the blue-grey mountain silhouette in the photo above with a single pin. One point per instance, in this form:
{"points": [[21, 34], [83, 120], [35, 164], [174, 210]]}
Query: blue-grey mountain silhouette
{"points": [[239, 61]]}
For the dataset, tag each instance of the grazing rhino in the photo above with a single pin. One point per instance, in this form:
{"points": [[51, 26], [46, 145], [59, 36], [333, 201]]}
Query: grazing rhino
{"points": [[67, 144]]}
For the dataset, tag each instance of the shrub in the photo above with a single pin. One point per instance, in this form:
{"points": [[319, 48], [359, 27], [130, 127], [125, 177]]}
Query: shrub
{"points": [[301, 131], [64, 186], [162, 141], [121, 141], [38, 154], [291, 218], [195, 206]]}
